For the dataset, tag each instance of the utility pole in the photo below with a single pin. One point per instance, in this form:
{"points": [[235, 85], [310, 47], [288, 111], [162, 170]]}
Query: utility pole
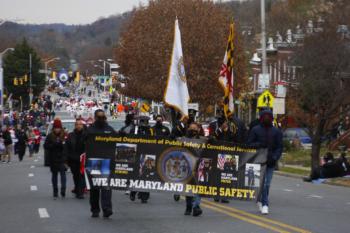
{"points": [[2, 83], [263, 39], [30, 81]]}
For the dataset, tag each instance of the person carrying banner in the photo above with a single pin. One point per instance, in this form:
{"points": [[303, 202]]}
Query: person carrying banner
{"points": [[74, 147], [142, 128], [129, 125], [265, 135], [193, 202], [159, 129], [54, 144], [100, 126]]}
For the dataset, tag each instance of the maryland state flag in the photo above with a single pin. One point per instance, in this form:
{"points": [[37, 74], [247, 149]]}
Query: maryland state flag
{"points": [[226, 78]]}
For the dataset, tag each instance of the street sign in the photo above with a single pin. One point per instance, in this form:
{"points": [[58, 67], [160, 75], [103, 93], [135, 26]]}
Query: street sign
{"points": [[263, 81], [265, 100], [145, 108], [279, 106]]}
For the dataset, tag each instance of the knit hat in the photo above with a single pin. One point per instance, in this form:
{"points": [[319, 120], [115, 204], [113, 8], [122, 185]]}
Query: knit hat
{"points": [[57, 123]]}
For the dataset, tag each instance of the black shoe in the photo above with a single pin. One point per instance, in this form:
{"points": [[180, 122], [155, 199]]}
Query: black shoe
{"points": [[79, 197], [197, 211], [216, 199], [188, 211], [176, 197], [225, 201], [107, 214], [132, 196], [95, 215], [63, 194], [307, 179]]}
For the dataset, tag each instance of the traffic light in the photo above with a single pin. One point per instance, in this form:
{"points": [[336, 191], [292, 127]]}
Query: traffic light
{"points": [[15, 81], [21, 81], [77, 76], [25, 78]]}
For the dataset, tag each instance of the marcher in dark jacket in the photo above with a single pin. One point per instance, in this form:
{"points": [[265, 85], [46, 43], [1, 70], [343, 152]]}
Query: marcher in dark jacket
{"points": [[159, 129], [142, 128], [100, 126], [21, 143], [193, 202], [74, 147], [265, 135], [54, 144]]}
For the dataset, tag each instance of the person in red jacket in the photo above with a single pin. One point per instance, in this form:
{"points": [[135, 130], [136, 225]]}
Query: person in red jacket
{"points": [[37, 140]]}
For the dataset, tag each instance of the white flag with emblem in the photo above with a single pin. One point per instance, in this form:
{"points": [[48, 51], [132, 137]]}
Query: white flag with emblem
{"points": [[176, 91]]}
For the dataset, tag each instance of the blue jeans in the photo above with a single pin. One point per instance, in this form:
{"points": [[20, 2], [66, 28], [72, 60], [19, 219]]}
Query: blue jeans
{"points": [[193, 202], [264, 197], [55, 180]]}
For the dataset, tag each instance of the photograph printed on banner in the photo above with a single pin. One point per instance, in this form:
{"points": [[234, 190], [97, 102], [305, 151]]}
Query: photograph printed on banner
{"points": [[228, 165], [147, 167], [96, 166], [204, 169], [125, 153], [252, 175]]}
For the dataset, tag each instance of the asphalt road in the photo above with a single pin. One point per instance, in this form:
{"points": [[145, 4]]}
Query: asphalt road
{"points": [[26, 205]]}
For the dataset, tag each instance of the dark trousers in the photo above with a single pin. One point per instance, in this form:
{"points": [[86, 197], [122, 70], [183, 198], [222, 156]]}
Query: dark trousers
{"points": [[36, 148], [77, 177], [54, 180], [21, 153], [106, 200], [141, 195]]}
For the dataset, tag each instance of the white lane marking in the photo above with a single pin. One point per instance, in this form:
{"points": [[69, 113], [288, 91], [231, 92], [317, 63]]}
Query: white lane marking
{"points": [[33, 188], [35, 160], [315, 196], [287, 190], [32, 166], [43, 213], [30, 174]]}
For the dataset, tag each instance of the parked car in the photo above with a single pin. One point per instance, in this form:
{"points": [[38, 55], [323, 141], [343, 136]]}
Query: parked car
{"points": [[301, 134]]}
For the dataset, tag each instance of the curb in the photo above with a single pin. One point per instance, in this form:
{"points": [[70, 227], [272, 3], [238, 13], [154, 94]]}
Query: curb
{"points": [[290, 175]]}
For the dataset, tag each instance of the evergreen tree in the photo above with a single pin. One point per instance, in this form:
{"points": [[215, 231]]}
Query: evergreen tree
{"points": [[17, 73]]}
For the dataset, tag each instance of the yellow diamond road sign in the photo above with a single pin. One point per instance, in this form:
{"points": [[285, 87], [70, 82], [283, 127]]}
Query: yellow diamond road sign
{"points": [[265, 100]]}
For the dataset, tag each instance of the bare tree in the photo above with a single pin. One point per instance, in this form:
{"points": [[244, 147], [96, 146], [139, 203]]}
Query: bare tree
{"points": [[322, 88]]}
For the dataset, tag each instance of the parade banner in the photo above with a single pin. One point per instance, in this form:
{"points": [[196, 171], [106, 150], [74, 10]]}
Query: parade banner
{"points": [[184, 166]]}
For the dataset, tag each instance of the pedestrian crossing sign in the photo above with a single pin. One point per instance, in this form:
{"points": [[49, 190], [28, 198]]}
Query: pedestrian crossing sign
{"points": [[265, 100]]}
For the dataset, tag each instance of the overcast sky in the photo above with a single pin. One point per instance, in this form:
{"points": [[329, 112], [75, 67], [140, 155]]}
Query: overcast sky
{"points": [[63, 11]]}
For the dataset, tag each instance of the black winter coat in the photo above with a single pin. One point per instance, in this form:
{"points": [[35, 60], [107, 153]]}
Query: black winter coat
{"points": [[75, 145], [55, 149], [22, 139]]}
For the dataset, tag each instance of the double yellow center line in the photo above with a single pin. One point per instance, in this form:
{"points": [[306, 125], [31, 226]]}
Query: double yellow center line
{"points": [[260, 221]]}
